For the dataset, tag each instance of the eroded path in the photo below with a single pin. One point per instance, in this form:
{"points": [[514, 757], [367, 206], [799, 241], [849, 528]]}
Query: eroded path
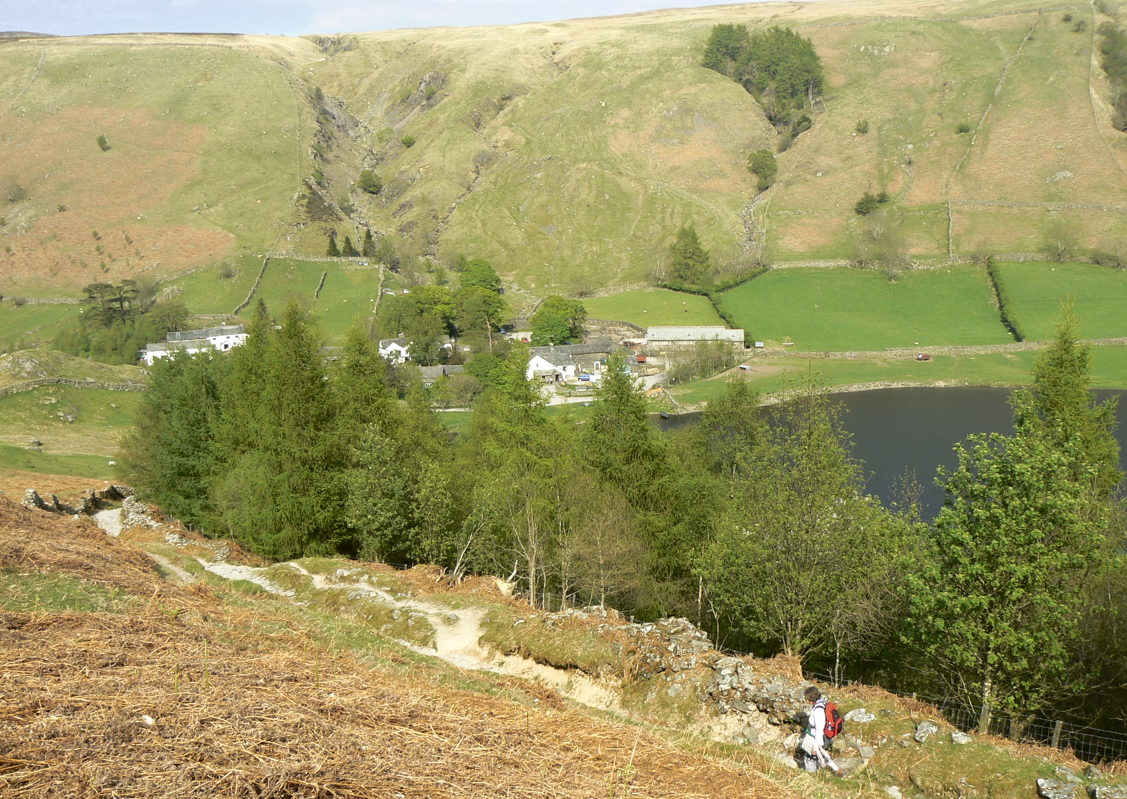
{"points": [[457, 632], [457, 640]]}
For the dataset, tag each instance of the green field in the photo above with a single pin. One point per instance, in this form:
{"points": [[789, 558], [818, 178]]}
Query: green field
{"points": [[841, 310], [349, 292], [768, 375], [653, 307], [68, 420], [218, 288], [32, 325], [28, 460], [1036, 291]]}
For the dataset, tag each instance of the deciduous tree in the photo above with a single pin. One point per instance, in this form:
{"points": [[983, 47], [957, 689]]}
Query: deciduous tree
{"points": [[558, 321], [997, 607], [799, 536]]}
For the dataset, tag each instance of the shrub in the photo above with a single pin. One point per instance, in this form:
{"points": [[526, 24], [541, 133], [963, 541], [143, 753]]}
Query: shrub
{"points": [[370, 182], [862, 127], [762, 164], [962, 127], [869, 203], [408, 141], [15, 192], [103, 144]]}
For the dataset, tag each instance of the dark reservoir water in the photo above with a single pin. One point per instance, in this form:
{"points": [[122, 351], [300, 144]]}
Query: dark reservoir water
{"points": [[915, 429], [900, 431]]}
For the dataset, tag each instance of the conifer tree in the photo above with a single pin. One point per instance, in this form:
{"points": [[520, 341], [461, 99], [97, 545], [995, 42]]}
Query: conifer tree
{"points": [[1066, 411], [690, 260], [169, 454], [279, 487]]}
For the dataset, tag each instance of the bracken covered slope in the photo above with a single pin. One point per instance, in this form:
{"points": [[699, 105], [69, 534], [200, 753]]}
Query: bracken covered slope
{"points": [[168, 692]]}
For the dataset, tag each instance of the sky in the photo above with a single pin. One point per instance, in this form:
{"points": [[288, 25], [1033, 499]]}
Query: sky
{"points": [[298, 17]]}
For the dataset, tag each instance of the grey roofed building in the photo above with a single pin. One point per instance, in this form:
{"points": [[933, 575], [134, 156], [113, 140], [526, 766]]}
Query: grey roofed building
{"points": [[431, 374], [206, 333], [565, 354], [684, 335]]}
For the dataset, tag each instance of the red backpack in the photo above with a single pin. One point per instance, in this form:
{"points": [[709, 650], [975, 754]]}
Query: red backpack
{"points": [[834, 722]]}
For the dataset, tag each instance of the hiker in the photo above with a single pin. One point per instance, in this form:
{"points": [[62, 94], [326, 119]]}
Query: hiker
{"points": [[813, 744]]}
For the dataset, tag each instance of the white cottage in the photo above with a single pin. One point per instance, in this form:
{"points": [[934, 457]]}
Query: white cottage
{"points": [[219, 339]]}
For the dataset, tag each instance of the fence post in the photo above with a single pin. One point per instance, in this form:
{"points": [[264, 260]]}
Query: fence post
{"points": [[1056, 733]]}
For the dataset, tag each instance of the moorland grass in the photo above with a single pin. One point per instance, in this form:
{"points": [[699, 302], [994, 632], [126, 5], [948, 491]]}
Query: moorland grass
{"points": [[56, 592], [23, 365], [843, 309], [569, 155], [653, 307], [1037, 290]]}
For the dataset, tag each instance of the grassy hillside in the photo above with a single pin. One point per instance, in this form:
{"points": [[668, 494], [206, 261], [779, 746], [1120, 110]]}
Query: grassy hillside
{"points": [[206, 143], [567, 153]]}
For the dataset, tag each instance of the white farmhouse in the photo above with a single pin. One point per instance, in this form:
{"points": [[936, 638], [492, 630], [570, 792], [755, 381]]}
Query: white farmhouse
{"points": [[395, 350], [219, 339], [568, 362]]}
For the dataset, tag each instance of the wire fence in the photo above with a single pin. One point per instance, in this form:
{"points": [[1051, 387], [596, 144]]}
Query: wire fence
{"points": [[1090, 744]]}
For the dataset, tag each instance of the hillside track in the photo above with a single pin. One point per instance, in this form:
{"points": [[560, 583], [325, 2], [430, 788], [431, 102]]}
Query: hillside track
{"points": [[31, 78], [183, 695]]}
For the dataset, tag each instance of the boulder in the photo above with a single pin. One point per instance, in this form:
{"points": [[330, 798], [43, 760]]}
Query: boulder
{"points": [[924, 730], [1056, 789], [1097, 791]]}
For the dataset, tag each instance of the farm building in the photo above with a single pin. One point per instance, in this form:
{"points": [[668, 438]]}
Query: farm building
{"points": [[659, 339], [432, 374]]}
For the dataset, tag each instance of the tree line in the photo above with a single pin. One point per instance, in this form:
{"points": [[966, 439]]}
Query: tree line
{"points": [[776, 66], [117, 320], [754, 522]]}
